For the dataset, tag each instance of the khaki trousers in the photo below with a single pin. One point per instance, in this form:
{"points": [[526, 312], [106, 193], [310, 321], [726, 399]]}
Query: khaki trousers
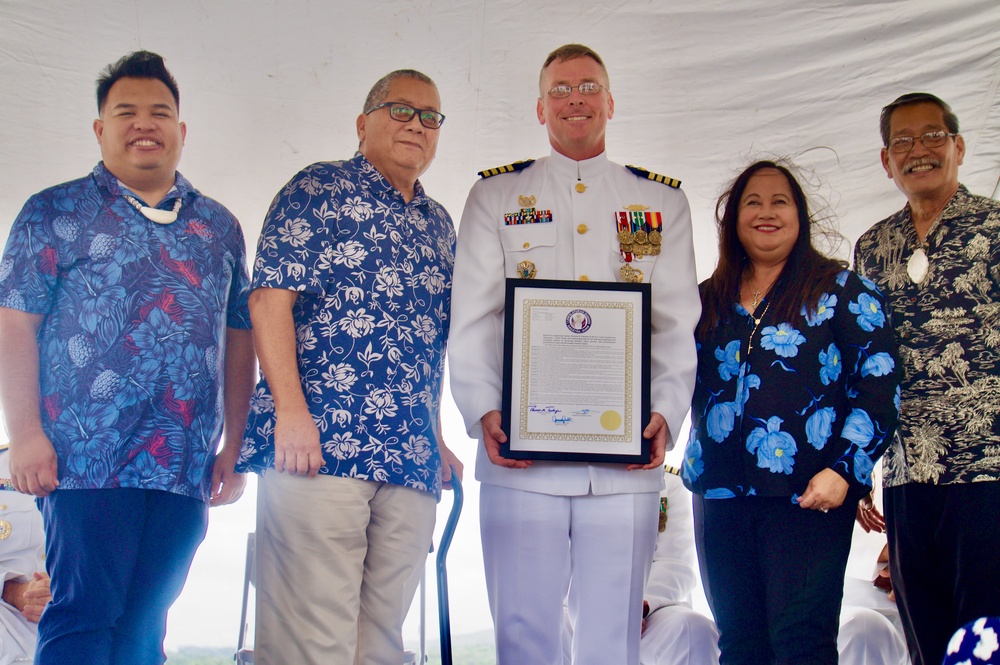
{"points": [[333, 559]]}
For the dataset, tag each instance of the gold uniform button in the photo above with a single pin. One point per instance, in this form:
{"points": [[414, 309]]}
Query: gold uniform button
{"points": [[581, 229], [584, 278], [527, 245]]}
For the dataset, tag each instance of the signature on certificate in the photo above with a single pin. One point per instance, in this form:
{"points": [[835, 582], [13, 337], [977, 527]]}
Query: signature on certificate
{"points": [[561, 420], [534, 408]]}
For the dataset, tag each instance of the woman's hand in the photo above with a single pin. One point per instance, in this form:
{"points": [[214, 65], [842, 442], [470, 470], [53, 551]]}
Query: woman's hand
{"points": [[826, 491]]}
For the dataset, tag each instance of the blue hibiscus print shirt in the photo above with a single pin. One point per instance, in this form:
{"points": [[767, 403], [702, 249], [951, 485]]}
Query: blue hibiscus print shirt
{"points": [[371, 321], [816, 392], [131, 348]]}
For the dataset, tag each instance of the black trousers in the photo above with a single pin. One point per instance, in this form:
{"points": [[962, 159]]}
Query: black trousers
{"points": [[774, 577], [944, 559]]}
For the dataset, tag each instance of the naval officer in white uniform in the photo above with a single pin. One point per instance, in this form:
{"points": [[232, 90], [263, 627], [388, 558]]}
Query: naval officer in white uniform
{"points": [[556, 532], [23, 581]]}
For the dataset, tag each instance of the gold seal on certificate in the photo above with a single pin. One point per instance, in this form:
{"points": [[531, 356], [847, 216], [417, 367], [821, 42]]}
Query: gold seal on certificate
{"points": [[576, 371]]}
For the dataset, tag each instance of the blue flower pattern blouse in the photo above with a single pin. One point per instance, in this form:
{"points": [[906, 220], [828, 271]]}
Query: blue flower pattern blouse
{"points": [[818, 392], [371, 321], [131, 350]]}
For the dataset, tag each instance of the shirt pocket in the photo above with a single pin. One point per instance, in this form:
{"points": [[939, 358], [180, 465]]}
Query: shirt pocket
{"points": [[524, 238]]}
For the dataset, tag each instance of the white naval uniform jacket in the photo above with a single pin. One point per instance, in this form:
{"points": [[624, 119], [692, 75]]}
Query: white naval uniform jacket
{"points": [[580, 243], [22, 553]]}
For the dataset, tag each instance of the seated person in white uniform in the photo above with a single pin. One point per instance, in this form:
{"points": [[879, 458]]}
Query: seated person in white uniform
{"points": [[870, 629], [22, 570], [674, 633]]}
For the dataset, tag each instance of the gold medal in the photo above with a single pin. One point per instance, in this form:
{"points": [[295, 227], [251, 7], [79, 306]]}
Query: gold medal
{"points": [[655, 237], [625, 237], [526, 270], [641, 237], [580, 187], [4, 529], [630, 274]]}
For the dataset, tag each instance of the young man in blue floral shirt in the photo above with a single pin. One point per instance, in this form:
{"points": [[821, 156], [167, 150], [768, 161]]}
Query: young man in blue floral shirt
{"points": [[351, 301], [125, 348]]}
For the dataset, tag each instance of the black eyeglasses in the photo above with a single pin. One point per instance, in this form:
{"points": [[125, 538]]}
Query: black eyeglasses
{"points": [[585, 88], [902, 144], [404, 113]]}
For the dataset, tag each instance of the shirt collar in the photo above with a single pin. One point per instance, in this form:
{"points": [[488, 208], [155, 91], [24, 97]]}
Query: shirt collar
{"points": [[381, 186], [105, 179], [584, 170]]}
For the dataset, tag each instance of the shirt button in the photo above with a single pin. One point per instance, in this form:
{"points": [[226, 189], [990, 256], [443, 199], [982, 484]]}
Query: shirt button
{"points": [[581, 229], [584, 278], [527, 245]]}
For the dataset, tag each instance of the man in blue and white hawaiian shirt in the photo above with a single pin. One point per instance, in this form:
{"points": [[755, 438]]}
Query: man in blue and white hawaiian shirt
{"points": [[125, 347], [351, 300]]}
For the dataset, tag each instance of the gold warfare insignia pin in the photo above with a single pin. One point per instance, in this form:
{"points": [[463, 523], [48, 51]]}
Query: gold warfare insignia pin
{"points": [[526, 201]]}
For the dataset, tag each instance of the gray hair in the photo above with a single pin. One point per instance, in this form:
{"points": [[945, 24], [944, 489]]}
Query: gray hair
{"points": [[380, 90]]}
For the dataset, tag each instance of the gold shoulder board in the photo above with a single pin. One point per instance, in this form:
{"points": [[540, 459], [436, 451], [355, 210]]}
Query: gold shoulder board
{"points": [[509, 168], [671, 469], [649, 175]]}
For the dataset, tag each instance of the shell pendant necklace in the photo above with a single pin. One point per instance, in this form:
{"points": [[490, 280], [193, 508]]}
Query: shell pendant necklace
{"points": [[155, 215]]}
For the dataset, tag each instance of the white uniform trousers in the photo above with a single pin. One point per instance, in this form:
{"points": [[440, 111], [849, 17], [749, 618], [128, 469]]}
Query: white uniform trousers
{"points": [[333, 559], [591, 553], [679, 635]]}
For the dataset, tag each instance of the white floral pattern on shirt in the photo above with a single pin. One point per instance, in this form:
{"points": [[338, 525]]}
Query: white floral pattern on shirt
{"points": [[371, 323]]}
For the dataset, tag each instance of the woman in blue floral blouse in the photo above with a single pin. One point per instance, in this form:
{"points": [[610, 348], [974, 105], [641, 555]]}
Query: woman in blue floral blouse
{"points": [[796, 398]]}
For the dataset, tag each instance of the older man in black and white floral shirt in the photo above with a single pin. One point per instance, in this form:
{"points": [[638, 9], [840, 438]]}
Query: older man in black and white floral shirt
{"points": [[938, 263]]}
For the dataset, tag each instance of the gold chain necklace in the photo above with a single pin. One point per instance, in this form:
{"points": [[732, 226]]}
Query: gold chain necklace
{"points": [[756, 325]]}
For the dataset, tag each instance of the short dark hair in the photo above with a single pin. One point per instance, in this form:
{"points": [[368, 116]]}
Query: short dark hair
{"points": [[569, 52], [139, 65], [909, 99], [804, 278], [380, 90]]}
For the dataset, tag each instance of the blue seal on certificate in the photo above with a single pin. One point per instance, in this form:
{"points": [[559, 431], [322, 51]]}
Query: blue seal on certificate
{"points": [[578, 321]]}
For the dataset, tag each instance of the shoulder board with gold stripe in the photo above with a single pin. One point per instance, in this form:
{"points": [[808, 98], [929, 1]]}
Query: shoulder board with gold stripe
{"points": [[649, 175], [509, 168], [671, 469]]}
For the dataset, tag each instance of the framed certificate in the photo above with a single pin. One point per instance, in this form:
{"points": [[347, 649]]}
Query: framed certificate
{"points": [[576, 371]]}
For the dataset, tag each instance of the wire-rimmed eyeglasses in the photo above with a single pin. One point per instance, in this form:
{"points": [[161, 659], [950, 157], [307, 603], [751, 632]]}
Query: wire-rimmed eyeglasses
{"points": [[902, 144], [585, 88]]}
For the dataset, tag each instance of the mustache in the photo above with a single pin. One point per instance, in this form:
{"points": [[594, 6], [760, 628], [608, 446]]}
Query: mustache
{"points": [[923, 161]]}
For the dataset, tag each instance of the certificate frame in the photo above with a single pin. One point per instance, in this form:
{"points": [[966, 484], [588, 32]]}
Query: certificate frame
{"points": [[554, 407]]}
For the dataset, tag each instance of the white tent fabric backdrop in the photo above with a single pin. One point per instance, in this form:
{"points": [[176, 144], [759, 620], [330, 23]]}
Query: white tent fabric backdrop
{"points": [[701, 87]]}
